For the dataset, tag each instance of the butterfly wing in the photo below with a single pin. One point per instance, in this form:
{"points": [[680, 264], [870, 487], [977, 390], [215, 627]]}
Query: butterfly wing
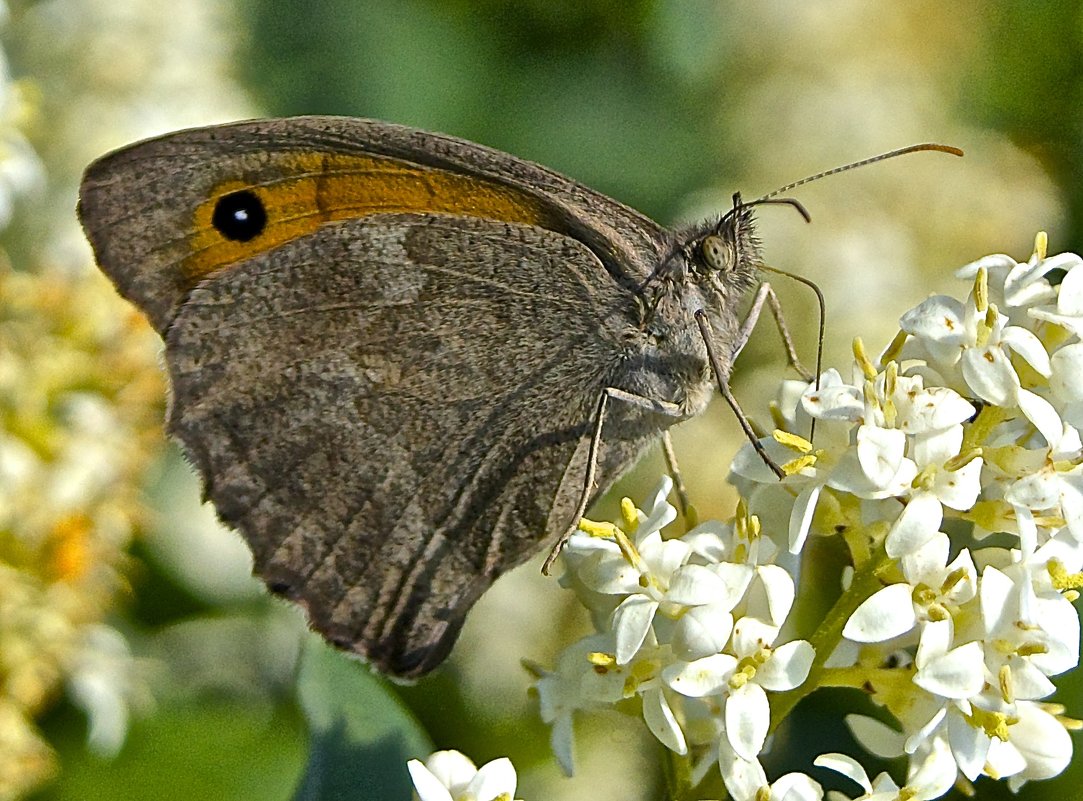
{"points": [[393, 406], [148, 208]]}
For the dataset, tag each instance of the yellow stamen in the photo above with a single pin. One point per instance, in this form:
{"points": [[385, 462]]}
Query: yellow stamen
{"points": [[862, 358], [629, 514], [1041, 245], [891, 377], [938, 613], [895, 348], [71, 552], [994, 724], [1062, 579], [628, 550], [870, 397], [794, 442], [961, 460], [795, 466], [604, 530], [925, 479], [1007, 685], [601, 659], [954, 577], [981, 289]]}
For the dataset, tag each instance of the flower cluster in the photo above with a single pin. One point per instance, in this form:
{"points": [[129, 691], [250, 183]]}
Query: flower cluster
{"points": [[81, 392], [79, 411], [952, 470], [688, 625]]}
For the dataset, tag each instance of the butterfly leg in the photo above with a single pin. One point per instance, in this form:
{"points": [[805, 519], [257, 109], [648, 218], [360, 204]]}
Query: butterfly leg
{"points": [[661, 407], [722, 377], [679, 487], [766, 294]]}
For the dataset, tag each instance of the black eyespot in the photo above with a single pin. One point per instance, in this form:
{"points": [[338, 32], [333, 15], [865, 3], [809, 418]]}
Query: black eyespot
{"points": [[239, 216]]}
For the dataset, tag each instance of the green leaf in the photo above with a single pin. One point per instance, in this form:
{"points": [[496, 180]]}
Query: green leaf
{"points": [[362, 735], [225, 749]]}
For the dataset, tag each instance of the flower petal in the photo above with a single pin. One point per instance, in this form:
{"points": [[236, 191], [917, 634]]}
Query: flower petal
{"points": [[453, 769], [662, 722], [748, 717], [771, 597], [694, 585], [707, 676], [847, 766], [796, 787], [958, 674], [1027, 345], [875, 736], [919, 522], [494, 780], [1042, 414], [631, 622], [788, 666], [885, 615], [428, 786], [702, 631], [969, 744], [804, 507], [743, 778], [880, 453], [1043, 741], [959, 489], [989, 373]]}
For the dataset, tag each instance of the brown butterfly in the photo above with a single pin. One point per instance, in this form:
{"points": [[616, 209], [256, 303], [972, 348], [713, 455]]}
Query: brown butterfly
{"points": [[403, 363]]}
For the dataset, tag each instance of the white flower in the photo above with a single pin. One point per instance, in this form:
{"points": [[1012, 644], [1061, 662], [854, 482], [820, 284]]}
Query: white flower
{"points": [[929, 778], [742, 680], [933, 590], [1031, 637], [105, 682], [1056, 487], [1066, 383], [450, 776], [1015, 287], [970, 346], [746, 781], [642, 568], [1042, 743], [576, 684], [1068, 310], [953, 672], [968, 427]]}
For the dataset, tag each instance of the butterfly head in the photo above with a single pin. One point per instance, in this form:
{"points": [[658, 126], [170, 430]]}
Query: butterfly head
{"points": [[727, 254]]}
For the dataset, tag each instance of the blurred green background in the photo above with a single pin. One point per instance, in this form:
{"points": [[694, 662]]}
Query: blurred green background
{"points": [[667, 106]]}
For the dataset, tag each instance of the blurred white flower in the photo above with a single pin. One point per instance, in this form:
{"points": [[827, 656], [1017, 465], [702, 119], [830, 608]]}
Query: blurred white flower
{"points": [[105, 681], [450, 776]]}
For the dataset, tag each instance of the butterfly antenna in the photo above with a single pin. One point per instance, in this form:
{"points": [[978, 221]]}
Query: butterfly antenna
{"points": [[902, 151], [773, 197]]}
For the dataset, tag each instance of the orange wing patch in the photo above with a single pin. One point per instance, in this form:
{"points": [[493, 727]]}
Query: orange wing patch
{"points": [[316, 188]]}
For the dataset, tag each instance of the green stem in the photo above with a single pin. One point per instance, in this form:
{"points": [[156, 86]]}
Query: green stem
{"points": [[677, 771], [827, 637]]}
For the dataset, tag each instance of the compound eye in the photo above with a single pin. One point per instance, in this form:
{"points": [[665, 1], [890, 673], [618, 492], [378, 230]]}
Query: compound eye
{"points": [[715, 252]]}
